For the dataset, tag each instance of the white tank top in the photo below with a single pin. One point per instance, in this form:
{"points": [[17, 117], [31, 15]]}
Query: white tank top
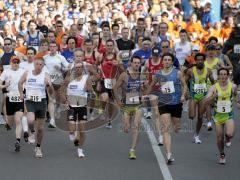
{"points": [[35, 87], [76, 93]]}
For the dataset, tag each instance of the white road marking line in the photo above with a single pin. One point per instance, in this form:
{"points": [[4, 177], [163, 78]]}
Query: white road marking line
{"points": [[158, 153]]}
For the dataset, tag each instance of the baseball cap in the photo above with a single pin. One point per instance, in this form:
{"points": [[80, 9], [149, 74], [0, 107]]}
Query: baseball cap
{"points": [[155, 51]]}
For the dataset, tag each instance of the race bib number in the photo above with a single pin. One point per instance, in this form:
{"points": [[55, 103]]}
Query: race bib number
{"points": [[109, 83], [167, 87], [224, 106], [125, 55], [14, 98], [132, 98], [34, 96], [200, 88], [237, 48]]}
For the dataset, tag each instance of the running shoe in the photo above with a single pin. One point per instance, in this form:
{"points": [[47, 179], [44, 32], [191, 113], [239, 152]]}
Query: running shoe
{"points": [[72, 136], [109, 125], [76, 142], [170, 159], [80, 153], [149, 115], [7, 127], [209, 126], [17, 146], [228, 142], [52, 124], [196, 139], [2, 121], [38, 152], [222, 159], [132, 154], [25, 136], [160, 140], [31, 138]]}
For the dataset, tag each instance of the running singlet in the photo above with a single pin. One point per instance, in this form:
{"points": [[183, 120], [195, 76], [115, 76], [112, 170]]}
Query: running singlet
{"points": [[132, 91], [91, 59], [212, 67], [108, 72], [170, 87], [12, 77], [223, 105], [76, 94], [152, 70], [198, 84], [35, 87], [33, 41]]}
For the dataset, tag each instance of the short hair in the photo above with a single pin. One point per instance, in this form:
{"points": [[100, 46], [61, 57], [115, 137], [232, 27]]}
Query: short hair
{"points": [[135, 57], [71, 37], [43, 41], [200, 54], [88, 40], [9, 39], [164, 41], [168, 54], [183, 31], [223, 69], [146, 39], [31, 21], [115, 25], [33, 49], [110, 40], [213, 38], [140, 19]]}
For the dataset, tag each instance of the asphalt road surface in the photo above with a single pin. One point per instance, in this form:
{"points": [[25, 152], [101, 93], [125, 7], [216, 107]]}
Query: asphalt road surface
{"points": [[107, 156]]}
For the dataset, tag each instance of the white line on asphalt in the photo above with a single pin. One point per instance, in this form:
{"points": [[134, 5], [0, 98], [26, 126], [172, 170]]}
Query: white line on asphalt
{"points": [[158, 153]]}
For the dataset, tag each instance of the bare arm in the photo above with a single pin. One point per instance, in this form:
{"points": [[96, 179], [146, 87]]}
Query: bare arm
{"points": [[20, 84], [118, 85], [184, 85], [229, 64]]}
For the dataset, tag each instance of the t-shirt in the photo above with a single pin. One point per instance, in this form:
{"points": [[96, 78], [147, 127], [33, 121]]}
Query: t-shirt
{"points": [[125, 45]]}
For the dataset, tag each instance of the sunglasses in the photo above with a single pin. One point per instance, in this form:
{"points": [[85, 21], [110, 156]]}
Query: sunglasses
{"points": [[165, 46], [16, 62], [7, 44], [218, 49]]}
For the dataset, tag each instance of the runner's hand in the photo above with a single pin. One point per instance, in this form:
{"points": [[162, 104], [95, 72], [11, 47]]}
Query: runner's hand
{"points": [[183, 99], [21, 96]]}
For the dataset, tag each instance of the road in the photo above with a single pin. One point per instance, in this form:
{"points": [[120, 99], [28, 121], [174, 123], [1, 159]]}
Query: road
{"points": [[107, 156]]}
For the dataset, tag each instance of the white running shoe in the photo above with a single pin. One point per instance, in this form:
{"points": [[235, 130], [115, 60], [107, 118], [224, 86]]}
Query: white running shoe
{"points": [[160, 140], [2, 121], [38, 152], [170, 159], [228, 143], [149, 115], [31, 138], [222, 159], [72, 136], [52, 123], [209, 126], [80, 153], [196, 140]]}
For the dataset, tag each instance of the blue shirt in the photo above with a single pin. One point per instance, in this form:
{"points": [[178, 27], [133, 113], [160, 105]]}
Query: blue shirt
{"points": [[144, 55], [68, 55], [208, 17]]}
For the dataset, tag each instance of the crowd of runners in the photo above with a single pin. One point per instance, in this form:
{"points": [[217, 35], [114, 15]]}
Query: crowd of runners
{"points": [[145, 57]]}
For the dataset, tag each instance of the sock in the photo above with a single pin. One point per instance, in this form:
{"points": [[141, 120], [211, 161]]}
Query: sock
{"points": [[132, 149], [18, 140], [24, 124]]}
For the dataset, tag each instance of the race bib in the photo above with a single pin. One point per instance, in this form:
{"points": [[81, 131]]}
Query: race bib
{"points": [[167, 87], [34, 96], [109, 83], [223, 106], [132, 98], [55, 78], [200, 88], [125, 55], [14, 97], [237, 48]]}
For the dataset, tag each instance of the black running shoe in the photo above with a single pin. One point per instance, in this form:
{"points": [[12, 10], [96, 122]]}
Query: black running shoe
{"points": [[76, 142], [7, 127], [25, 136], [17, 146]]}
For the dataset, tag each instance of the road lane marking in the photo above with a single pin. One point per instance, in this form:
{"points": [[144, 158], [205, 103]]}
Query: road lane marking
{"points": [[158, 153]]}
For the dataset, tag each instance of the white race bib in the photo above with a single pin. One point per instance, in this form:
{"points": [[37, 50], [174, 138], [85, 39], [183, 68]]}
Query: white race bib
{"points": [[109, 83], [125, 55], [223, 106], [237, 48], [56, 78], [132, 98], [200, 88], [34, 96], [167, 87], [14, 97]]}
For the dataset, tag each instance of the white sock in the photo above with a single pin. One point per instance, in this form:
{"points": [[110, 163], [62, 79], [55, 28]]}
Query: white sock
{"points": [[52, 121], [24, 124], [132, 149]]}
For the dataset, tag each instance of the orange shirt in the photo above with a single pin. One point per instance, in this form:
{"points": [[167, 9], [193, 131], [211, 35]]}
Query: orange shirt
{"points": [[41, 54], [59, 37], [226, 31], [22, 49], [195, 27]]}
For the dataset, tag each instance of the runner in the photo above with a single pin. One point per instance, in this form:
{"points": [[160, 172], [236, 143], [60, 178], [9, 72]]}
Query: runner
{"points": [[198, 76], [74, 93], [151, 67], [130, 84], [222, 93], [56, 65], [37, 82], [171, 95], [14, 105]]}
